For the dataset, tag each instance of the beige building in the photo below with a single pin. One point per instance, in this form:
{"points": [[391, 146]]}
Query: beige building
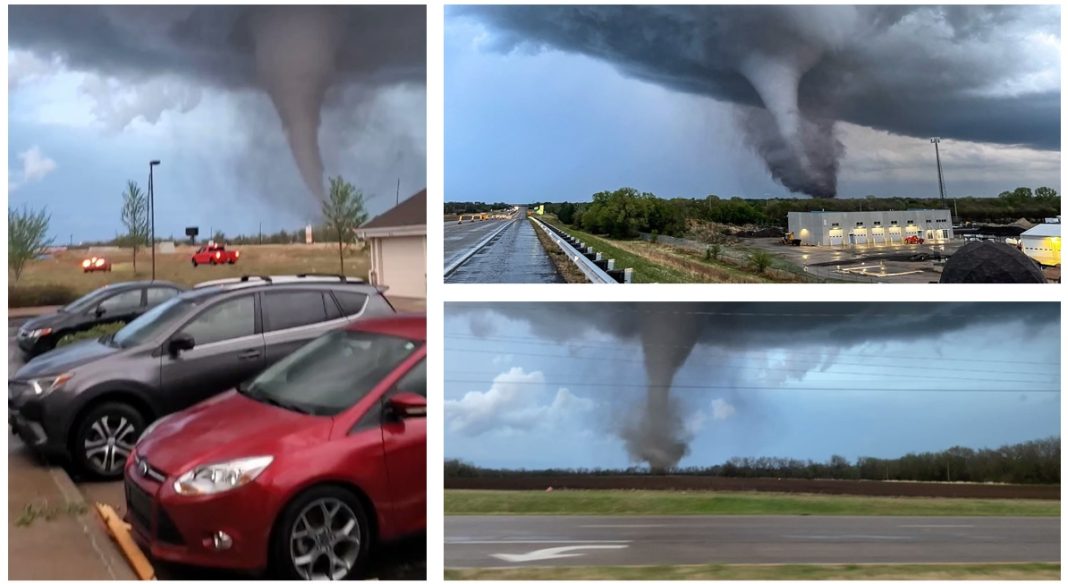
{"points": [[397, 240]]}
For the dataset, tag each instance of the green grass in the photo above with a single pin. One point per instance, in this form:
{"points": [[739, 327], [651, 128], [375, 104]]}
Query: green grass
{"points": [[1031, 571], [645, 271], [619, 502]]}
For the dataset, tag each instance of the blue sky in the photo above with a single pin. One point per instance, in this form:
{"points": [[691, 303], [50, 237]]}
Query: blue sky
{"points": [[525, 120], [516, 398], [85, 117]]}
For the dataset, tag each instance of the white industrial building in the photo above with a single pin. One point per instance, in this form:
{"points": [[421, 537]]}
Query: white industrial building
{"points": [[1042, 243], [869, 228]]}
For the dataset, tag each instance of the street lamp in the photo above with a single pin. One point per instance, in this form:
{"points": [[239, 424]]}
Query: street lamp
{"points": [[152, 212]]}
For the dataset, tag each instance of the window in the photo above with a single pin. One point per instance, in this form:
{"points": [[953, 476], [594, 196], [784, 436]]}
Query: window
{"points": [[351, 302], [332, 310], [286, 310], [229, 320], [160, 295], [414, 381], [122, 302]]}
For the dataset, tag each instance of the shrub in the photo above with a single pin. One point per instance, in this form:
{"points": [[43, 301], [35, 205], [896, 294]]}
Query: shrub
{"points": [[93, 333], [40, 295], [760, 260], [712, 252], [654, 236]]}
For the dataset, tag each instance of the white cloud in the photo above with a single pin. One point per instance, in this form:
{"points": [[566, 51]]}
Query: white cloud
{"points": [[722, 409], [25, 67], [517, 401], [35, 166], [117, 104]]}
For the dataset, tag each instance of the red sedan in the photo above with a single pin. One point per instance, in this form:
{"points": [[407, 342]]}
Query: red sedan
{"points": [[302, 471], [95, 264]]}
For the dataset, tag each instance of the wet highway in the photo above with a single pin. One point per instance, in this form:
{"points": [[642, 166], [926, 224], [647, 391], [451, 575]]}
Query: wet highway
{"points": [[514, 256], [516, 540]]}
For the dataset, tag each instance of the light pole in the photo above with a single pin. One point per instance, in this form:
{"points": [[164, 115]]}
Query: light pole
{"points": [[938, 162], [152, 212]]}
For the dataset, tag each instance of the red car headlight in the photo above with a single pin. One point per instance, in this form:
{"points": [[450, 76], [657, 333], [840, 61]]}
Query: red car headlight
{"points": [[218, 477]]}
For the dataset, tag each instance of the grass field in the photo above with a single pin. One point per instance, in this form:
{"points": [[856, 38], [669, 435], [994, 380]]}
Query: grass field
{"points": [[64, 268], [656, 263], [608, 502], [1031, 571]]}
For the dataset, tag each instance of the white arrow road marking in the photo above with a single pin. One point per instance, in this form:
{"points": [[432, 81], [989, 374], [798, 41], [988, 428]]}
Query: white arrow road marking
{"points": [[554, 553]]}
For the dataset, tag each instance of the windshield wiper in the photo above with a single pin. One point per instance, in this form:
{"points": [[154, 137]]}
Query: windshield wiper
{"points": [[285, 405]]}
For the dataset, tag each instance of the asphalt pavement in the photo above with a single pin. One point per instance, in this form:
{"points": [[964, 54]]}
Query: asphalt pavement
{"points": [[402, 560], [515, 255], [520, 540]]}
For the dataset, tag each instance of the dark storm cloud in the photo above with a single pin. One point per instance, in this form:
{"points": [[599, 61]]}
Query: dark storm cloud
{"points": [[963, 72], [296, 54], [654, 432]]}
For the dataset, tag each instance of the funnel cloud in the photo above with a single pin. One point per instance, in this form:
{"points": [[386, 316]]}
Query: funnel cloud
{"points": [[308, 60], [976, 73], [654, 431]]}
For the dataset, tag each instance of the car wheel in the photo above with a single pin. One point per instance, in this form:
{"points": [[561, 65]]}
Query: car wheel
{"points": [[194, 263], [105, 437], [323, 534]]}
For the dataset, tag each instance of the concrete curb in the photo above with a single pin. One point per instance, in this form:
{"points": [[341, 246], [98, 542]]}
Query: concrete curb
{"points": [[114, 562]]}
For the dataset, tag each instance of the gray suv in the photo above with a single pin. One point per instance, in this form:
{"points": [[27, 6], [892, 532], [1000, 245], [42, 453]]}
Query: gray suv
{"points": [[89, 402]]}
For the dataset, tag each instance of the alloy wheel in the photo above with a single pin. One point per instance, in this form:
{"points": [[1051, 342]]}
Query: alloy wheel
{"points": [[325, 540], [108, 443]]}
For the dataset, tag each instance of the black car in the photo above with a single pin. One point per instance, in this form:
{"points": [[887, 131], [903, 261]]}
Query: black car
{"points": [[114, 303], [89, 401]]}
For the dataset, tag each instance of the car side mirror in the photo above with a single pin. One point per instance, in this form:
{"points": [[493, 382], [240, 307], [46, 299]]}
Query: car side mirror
{"points": [[180, 342], [407, 405], [99, 311]]}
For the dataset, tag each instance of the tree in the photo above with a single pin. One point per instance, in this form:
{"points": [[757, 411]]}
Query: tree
{"points": [[343, 212], [760, 260], [26, 237], [135, 218], [1045, 194]]}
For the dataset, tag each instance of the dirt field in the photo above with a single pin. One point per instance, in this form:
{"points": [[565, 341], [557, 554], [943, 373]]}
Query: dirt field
{"points": [[827, 487], [64, 268]]}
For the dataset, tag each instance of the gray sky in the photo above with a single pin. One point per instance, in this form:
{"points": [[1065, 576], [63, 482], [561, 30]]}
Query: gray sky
{"points": [[552, 384], [245, 106], [560, 102]]}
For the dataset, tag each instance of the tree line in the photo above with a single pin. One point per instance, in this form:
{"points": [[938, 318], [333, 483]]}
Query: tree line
{"points": [[1031, 462], [457, 208], [623, 213]]}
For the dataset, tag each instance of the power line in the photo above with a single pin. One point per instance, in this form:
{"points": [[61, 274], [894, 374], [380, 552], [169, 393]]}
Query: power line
{"points": [[593, 344], [728, 357], [759, 388]]}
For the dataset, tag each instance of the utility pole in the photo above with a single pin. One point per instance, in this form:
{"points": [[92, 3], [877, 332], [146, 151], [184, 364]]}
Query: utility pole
{"points": [[261, 232], [152, 211], [398, 191], [938, 163]]}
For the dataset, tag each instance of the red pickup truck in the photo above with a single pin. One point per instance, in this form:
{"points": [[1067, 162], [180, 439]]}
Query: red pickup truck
{"points": [[215, 254]]}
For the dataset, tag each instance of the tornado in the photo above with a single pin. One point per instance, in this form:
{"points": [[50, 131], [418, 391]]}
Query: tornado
{"points": [[657, 435], [295, 50]]}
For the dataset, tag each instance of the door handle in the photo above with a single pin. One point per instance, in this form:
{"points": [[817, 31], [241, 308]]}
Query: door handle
{"points": [[247, 355]]}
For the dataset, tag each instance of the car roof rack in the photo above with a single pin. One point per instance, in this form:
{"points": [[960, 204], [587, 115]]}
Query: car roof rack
{"points": [[242, 280], [324, 275]]}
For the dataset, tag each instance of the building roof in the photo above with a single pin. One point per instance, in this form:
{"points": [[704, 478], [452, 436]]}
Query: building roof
{"points": [[409, 213], [1043, 230]]}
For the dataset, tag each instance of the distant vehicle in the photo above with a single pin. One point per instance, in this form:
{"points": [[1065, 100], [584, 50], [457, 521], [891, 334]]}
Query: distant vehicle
{"points": [[301, 472], [115, 303], [913, 239], [89, 401], [215, 254], [95, 264]]}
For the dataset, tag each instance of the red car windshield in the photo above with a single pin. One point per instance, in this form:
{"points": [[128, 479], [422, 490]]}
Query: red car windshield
{"points": [[332, 373]]}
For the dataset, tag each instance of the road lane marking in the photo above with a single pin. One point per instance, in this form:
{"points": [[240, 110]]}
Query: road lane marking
{"points": [[841, 537], [554, 553], [938, 526], [532, 541]]}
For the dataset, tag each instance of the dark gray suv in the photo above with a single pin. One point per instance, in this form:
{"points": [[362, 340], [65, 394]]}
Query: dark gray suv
{"points": [[89, 402]]}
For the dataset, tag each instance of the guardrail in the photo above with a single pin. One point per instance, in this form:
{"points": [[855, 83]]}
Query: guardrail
{"points": [[596, 268]]}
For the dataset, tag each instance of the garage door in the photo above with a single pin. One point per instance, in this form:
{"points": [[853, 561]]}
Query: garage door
{"points": [[403, 266]]}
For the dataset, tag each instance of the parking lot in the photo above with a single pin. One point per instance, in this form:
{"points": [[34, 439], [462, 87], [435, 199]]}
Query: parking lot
{"points": [[886, 264], [404, 560]]}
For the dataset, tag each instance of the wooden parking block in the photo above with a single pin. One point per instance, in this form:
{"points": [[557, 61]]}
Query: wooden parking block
{"points": [[119, 531]]}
